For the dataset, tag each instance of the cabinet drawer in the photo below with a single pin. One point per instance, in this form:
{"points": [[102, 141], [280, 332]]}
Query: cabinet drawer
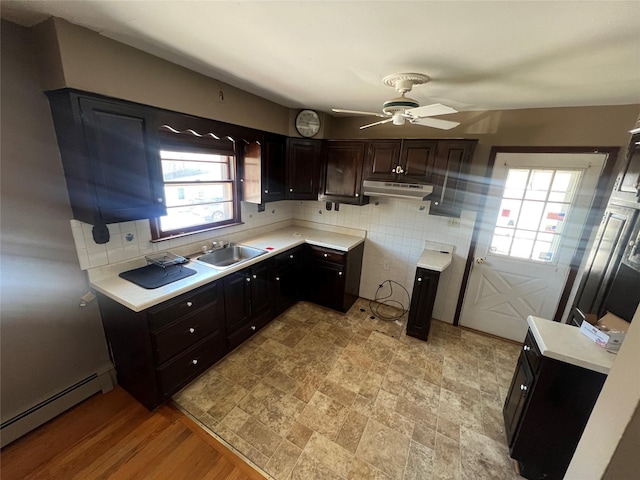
{"points": [[240, 335], [183, 305], [531, 352], [188, 331], [182, 369], [290, 257], [328, 255]]}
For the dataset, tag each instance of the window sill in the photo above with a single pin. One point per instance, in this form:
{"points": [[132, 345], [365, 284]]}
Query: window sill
{"points": [[186, 234]]}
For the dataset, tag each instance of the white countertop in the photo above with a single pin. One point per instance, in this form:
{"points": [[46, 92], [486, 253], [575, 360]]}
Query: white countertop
{"points": [[436, 260], [137, 298], [565, 343]]}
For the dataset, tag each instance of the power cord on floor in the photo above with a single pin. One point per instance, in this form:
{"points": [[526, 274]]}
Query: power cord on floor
{"points": [[386, 301]]}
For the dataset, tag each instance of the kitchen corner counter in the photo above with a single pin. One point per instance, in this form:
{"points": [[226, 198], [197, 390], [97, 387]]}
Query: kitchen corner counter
{"points": [[137, 298], [565, 343], [436, 260]]}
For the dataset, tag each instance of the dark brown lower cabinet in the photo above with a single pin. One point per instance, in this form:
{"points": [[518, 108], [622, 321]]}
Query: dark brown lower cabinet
{"points": [[159, 350], [288, 275], [423, 297], [334, 278], [247, 297], [546, 410]]}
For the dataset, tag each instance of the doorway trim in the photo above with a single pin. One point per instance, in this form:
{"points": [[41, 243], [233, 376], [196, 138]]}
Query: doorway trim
{"points": [[596, 210]]}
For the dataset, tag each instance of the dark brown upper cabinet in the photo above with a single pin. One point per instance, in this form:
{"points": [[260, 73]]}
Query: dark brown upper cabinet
{"points": [[408, 161], [110, 155], [342, 165], [627, 186], [264, 170], [382, 158], [303, 168], [417, 161], [450, 176]]}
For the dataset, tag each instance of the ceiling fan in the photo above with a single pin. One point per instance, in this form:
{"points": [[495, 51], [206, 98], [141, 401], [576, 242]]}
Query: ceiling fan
{"points": [[401, 109]]}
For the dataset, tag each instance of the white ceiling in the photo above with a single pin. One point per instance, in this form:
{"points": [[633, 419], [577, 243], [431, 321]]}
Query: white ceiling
{"points": [[321, 54]]}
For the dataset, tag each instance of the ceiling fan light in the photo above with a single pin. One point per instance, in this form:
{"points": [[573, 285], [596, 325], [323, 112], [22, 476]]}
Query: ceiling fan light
{"points": [[398, 120]]}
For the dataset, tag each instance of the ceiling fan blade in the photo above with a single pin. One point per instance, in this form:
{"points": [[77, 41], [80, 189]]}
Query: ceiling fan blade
{"points": [[431, 110], [358, 112], [377, 123], [434, 122]]}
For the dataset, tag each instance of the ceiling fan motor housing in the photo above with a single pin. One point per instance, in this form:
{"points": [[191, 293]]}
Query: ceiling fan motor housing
{"points": [[399, 104]]}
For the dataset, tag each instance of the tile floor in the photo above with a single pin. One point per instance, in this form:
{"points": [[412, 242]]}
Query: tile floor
{"points": [[321, 395]]}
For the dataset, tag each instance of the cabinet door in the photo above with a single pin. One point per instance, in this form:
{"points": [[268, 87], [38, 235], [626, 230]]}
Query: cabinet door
{"points": [[516, 398], [326, 285], [303, 168], [627, 185], [342, 172], [274, 168], [632, 251], [383, 156], [236, 300], [604, 259], [125, 160], [453, 161], [260, 281], [422, 300], [417, 159]]}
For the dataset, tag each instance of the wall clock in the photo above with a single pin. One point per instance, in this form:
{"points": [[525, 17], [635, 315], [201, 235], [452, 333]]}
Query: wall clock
{"points": [[308, 123]]}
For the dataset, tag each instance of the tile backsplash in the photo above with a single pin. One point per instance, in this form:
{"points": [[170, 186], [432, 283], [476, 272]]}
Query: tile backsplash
{"points": [[397, 232]]}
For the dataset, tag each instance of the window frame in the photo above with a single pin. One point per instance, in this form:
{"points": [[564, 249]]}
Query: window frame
{"points": [[188, 141]]}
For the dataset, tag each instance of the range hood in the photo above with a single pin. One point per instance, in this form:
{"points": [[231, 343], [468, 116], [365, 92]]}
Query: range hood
{"points": [[411, 191]]}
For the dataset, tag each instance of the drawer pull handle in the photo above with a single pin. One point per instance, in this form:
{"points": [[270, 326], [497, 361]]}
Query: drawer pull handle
{"points": [[248, 279], [523, 387], [266, 191], [325, 255], [291, 256], [419, 279], [194, 361], [339, 274], [254, 276], [192, 330], [189, 304], [277, 279], [253, 327], [291, 189], [526, 348]]}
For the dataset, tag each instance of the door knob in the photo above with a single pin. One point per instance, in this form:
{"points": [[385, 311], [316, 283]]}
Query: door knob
{"points": [[192, 330]]}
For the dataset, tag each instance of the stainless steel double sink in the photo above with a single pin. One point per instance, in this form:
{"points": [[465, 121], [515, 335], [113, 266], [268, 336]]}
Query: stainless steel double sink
{"points": [[230, 256]]}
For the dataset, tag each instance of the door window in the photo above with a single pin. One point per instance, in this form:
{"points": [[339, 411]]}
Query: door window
{"points": [[535, 206]]}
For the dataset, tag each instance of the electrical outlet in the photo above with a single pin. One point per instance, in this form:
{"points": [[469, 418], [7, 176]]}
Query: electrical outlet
{"points": [[385, 265], [454, 222]]}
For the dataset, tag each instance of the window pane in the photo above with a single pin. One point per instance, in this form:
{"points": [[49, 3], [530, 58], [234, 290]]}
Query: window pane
{"points": [[187, 194], [543, 251], [539, 183], [530, 215], [501, 242], [564, 186], [509, 210], [177, 171], [554, 217], [522, 244], [516, 183], [193, 215]]}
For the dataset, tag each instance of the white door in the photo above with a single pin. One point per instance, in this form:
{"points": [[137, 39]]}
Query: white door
{"points": [[533, 219]]}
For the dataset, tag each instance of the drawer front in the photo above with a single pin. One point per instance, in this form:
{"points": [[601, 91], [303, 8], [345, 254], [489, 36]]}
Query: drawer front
{"points": [[244, 332], [290, 257], [532, 353], [328, 255], [184, 368], [186, 332], [183, 305]]}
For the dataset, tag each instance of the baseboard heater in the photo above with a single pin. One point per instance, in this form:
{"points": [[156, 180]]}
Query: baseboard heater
{"points": [[53, 406]]}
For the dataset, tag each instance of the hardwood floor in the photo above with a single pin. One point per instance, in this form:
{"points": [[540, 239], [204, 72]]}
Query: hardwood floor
{"points": [[111, 436]]}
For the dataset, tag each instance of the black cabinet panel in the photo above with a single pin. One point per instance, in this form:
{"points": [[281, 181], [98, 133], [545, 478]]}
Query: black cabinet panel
{"points": [[111, 157], [343, 162], [423, 298], [303, 168], [547, 407], [627, 187]]}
